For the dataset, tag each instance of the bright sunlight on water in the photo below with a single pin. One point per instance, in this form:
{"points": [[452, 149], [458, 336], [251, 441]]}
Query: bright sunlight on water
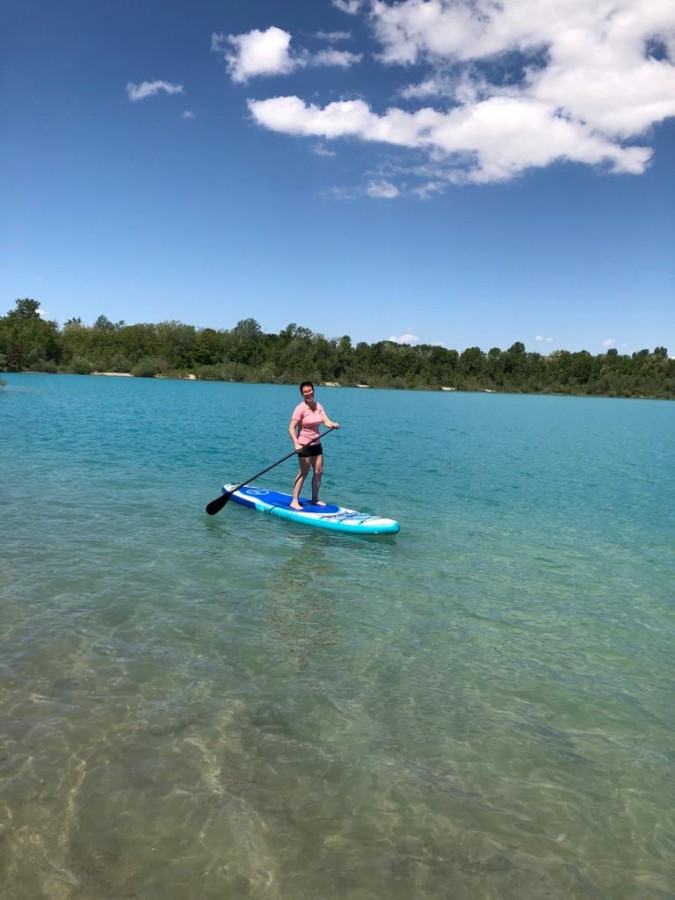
{"points": [[478, 707]]}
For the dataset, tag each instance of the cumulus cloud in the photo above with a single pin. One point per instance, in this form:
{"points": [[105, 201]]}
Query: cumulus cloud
{"points": [[505, 87], [610, 342], [405, 339], [541, 339], [258, 53], [188, 114], [490, 141], [146, 89]]}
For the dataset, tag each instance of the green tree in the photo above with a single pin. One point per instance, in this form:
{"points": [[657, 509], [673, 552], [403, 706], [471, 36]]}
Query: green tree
{"points": [[246, 342], [27, 340], [103, 323], [471, 361], [176, 343], [209, 347], [246, 353], [26, 309], [76, 342]]}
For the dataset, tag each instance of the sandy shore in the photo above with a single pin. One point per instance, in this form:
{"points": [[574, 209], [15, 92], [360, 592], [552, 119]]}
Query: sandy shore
{"points": [[189, 377]]}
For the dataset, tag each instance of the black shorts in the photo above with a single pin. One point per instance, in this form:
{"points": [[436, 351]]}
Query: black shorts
{"points": [[314, 449]]}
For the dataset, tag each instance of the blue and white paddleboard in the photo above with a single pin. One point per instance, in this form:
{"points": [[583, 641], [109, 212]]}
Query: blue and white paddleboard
{"points": [[336, 518]]}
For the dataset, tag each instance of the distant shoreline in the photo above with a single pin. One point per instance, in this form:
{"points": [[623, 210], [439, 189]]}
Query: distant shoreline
{"points": [[332, 384]]}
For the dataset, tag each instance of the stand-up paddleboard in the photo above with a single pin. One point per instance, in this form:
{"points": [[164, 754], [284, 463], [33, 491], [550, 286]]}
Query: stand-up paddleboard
{"points": [[335, 518]]}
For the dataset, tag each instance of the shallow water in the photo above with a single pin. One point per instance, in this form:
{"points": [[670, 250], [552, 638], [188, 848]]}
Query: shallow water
{"points": [[194, 707]]}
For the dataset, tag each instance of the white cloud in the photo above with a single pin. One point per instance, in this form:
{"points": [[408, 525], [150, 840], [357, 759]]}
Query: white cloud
{"points": [[188, 114], [610, 342], [431, 87], [383, 190], [291, 115], [540, 339], [405, 339], [351, 7], [256, 53], [322, 150], [341, 58], [595, 68], [151, 88], [426, 190], [504, 87], [490, 141], [269, 52]]}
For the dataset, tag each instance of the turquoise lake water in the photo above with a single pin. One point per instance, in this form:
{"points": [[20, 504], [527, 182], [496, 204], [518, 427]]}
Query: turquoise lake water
{"points": [[482, 706]]}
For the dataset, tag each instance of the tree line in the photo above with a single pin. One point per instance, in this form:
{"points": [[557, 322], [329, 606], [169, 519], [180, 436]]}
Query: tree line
{"points": [[29, 342]]}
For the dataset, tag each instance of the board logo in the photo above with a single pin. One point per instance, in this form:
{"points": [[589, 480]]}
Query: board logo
{"points": [[257, 492]]}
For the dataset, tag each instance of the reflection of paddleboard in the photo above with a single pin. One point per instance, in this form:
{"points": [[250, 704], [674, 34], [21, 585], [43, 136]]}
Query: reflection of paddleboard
{"points": [[337, 518]]}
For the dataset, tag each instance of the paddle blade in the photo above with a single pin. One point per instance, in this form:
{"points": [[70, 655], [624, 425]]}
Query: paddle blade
{"points": [[216, 505]]}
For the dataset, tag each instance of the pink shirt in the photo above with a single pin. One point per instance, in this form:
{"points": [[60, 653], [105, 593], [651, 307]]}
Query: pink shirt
{"points": [[309, 419]]}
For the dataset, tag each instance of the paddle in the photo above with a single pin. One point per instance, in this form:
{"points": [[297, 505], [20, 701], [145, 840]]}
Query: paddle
{"points": [[216, 505]]}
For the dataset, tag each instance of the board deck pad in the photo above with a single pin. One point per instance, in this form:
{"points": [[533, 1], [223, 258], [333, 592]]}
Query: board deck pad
{"points": [[330, 516]]}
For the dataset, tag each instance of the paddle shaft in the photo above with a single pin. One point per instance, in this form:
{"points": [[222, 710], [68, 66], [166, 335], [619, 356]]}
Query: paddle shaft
{"points": [[216, 505]]}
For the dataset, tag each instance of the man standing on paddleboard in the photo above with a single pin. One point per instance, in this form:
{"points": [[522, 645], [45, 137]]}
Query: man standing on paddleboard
{"points": [[307, 417]]}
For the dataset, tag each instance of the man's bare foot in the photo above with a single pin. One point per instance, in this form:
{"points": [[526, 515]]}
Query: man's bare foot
{"points": [[295, 506], [318, 503]]}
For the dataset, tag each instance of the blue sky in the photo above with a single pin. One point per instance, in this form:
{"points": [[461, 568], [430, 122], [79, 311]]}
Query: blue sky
{"points": [[467, 174]]}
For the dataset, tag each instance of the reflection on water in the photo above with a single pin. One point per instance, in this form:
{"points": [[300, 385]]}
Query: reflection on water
{"points": [[237, 707]]}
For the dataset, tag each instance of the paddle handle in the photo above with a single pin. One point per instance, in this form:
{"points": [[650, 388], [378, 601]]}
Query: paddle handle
{"points": [[216, 505]]}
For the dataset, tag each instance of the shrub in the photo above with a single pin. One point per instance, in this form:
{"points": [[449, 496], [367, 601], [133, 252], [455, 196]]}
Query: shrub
{"points": [[81, 366], [149, 367]]}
